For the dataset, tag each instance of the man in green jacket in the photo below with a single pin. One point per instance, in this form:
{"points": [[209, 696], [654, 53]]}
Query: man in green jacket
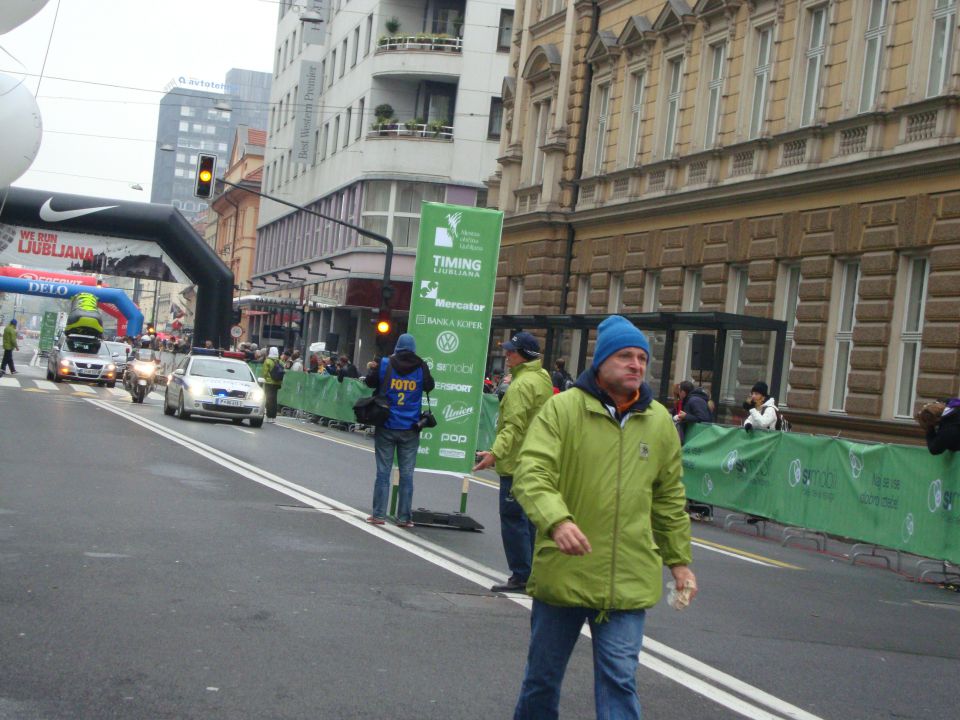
{"points": [[271, 386], [600, 477], [9, 345], [530, 388]]}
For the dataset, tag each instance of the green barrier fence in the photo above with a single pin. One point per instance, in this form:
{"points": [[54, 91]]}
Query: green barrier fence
{"points": [[327, 397], [895, 496]]}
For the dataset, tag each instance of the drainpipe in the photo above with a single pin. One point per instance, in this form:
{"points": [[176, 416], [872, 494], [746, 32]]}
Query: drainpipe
{"points": [[577, 173]]}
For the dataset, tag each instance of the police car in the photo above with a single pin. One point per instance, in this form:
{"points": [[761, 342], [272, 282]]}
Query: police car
{"points": [[214, 384]]}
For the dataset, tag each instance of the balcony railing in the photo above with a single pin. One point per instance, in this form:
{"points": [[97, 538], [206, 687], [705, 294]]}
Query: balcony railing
{"points": [[420, 42], [432, 131]]}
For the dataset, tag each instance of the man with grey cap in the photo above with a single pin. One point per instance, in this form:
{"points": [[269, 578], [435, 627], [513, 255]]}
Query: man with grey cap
{"points": [[529, 390], [402, 378], [600, 476]]}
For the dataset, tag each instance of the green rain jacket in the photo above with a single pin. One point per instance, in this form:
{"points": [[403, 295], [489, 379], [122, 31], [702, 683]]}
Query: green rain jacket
{"points": [[619, 482], [265, 372], [529, 389], [10, 337]]}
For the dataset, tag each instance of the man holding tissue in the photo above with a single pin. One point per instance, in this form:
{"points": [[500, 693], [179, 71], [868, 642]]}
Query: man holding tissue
{"points": [[600, 477]]}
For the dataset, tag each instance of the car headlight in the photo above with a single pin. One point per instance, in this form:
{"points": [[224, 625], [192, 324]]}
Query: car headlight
{"points": [[257, 395], [111, 367]]}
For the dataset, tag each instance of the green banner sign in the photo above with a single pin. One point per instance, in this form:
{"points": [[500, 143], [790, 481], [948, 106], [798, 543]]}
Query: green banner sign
{"points": [[48, 329], [896, 496], [450, 310]]}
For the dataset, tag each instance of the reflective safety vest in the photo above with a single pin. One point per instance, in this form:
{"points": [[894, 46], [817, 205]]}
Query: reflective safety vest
{"points": [[405, 393]]}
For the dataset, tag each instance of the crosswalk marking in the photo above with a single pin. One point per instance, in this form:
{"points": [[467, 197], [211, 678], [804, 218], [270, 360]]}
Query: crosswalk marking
{"points": [[116, 391], [46, 385], [83, 389], [76, 389], [9, 382]]}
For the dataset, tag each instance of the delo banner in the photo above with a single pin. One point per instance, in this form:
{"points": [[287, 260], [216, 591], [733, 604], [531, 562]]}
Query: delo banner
{"points": [[896, 496], [75, 252], [450, 310]]}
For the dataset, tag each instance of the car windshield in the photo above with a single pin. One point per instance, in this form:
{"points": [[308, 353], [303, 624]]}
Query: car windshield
{"points": [[221, 370], [117, 348], [85, 344]]}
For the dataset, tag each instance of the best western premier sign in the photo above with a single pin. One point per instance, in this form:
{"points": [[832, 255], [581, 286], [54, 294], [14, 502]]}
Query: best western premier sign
{"points": [[450, 310]]}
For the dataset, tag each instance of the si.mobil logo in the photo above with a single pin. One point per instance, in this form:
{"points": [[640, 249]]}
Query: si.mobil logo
{"points": [[856, 463], [706, 484], [730, 462], [907, 528], [795, 473]]}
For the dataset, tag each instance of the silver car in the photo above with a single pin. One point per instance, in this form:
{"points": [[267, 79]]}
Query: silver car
{"points": [[215, 387], [119, 351], [81, 357]]}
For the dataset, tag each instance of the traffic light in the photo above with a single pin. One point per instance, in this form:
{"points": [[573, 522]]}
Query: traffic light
{"points": [[384, 322], [151, 330], [206, 172]]}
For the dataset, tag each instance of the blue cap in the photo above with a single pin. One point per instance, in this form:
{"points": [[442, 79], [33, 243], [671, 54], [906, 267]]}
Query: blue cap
{"points": [[525, 344], [14, 322], [406, 342], [616, 333]]}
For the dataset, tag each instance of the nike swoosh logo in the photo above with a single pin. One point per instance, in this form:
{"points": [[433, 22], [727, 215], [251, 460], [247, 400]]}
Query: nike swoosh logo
{"points": [[48, 214]]}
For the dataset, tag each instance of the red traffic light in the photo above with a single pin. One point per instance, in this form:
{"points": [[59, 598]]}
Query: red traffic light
{"points": [[206, 172]]}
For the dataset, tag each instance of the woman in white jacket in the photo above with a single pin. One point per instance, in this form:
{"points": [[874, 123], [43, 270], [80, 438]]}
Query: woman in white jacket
{"points": [[762, 409]]}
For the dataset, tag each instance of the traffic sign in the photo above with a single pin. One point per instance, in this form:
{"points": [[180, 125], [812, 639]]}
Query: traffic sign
{"points": [[236, 331]]}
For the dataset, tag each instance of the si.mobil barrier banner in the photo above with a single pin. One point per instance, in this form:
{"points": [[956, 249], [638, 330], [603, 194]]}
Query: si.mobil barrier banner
{"points": [[450, 311], [896, 496]]}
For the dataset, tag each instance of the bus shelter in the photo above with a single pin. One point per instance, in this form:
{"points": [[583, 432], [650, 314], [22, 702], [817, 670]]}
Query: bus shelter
{"points": [[716, 335]]}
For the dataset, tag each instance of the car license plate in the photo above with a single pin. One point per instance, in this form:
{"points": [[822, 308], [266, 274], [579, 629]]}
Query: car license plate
{"points": [[93, 373], [232, 402]]}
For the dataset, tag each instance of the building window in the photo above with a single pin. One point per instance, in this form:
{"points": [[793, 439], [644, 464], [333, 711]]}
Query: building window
{"points": [[496, 118], [333, 67], [323, 75], [761, 79], [675, 75], [816, 49], [326, 139], [336, 135], [515, 296], [366, 47], [505, 31], [184, 126], [651, 290], [872, 62], [343, 57], [692, 289], [615, 295], [541, 118], [393, 208], [941, 52], [791, 300], [737, 304], [360, 118], [637, 82], [356, 46], [718, 56], [347, 120], [911, 335], [843, 339], [600, 147]]}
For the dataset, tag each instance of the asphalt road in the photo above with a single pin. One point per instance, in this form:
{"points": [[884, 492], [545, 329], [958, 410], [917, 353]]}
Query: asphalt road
{"points": [[158, 568]]}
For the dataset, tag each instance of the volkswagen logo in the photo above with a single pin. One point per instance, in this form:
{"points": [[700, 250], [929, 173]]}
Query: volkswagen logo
{"points": [[447, 342]]}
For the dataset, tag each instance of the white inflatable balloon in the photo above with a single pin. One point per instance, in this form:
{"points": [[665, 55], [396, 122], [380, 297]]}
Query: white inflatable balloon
{"points": [[14, 13], [22, 129]]}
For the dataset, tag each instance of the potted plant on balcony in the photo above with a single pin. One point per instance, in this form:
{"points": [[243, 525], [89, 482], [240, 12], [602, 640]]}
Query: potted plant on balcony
{"points": [[411, 126], [435, 127], [392, 25], [384, 117]]}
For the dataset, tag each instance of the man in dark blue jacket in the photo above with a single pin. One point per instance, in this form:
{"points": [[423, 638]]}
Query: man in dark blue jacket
{"points": [[402, 378], [695, 408]]}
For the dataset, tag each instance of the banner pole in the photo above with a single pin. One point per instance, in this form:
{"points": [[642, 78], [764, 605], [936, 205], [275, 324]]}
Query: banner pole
{"points": [[464, 489]]}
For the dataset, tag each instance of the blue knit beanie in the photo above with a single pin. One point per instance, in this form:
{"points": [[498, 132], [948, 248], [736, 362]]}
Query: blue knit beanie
{"points": [[616, 333], [406, 342]]}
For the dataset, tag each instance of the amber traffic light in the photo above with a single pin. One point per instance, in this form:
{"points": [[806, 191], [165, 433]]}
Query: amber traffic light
{"points": [[206, 169]]}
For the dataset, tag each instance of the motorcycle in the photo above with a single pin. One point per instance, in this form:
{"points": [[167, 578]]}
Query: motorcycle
{"points": [[139, 379]]}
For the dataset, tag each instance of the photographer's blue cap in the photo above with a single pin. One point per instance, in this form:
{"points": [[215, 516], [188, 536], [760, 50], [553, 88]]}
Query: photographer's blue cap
{"points": [[523, 343]]}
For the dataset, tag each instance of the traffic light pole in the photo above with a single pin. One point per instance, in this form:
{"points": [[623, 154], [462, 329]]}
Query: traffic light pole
{"points": [[386, 290]]}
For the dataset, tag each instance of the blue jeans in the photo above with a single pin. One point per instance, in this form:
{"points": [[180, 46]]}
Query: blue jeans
{"points": [[405, 443], [516, 531], [616, 649]]}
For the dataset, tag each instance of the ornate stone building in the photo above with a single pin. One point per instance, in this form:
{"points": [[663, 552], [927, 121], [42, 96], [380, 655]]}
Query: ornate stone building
{"points": [[789, 159]]}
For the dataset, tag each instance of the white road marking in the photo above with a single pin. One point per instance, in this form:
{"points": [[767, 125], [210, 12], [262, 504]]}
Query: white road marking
{"points": [[85, 389], [733, 555], [46, 385], [654, 656], [9, 382], [117, 391]]}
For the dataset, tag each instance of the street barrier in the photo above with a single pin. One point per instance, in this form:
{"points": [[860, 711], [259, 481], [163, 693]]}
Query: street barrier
{"points": [[325, 396], [896, 496]]}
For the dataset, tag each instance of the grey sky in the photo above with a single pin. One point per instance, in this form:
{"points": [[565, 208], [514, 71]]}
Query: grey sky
{"points": [[139, 44]]}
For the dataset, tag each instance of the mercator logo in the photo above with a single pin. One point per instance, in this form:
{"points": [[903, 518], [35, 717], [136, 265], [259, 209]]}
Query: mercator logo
{"points": [[795, 473]]}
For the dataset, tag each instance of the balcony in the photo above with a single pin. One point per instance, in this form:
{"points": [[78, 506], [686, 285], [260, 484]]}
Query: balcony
{"points": [[411, 129], [419, 43]]}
